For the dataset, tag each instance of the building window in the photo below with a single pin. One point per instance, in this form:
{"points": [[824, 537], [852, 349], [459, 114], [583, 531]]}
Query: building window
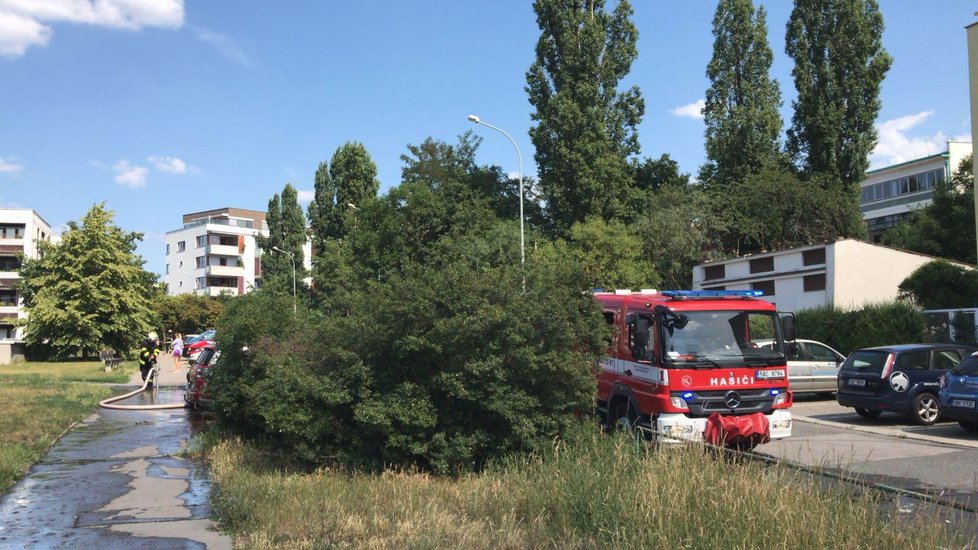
{"points": [[201, 261], [167, 269], [167, 249], [6, 332], [223, 261], [201, 282], [813, 257], [202, 241], [712, 272], [762, 265], [9, 263], [181, 246], [8, 298], [12, 231], [814, 282], [767, 287], [921, 181]]}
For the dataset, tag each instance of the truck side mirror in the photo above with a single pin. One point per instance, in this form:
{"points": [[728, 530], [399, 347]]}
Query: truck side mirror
{"points": [[788, 326]]}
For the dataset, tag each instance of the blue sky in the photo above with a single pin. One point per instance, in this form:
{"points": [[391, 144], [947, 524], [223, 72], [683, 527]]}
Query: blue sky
{"points": [[164, 107]]}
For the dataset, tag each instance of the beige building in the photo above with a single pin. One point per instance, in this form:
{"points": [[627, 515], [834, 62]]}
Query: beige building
{"points": [[889, 194], [848, 274], [20, 231]]}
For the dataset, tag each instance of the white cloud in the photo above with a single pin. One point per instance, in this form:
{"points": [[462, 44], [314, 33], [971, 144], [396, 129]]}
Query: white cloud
{"points": [[8, 166], [17, 33], [693, 110], [224, 44], [172, 165], [896, 146], [26, 23], [130, 176], [306, 195]]}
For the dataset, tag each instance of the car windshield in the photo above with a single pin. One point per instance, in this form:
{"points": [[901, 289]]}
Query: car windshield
{"points": [[968, 367], [714, 337], [866, 361]]}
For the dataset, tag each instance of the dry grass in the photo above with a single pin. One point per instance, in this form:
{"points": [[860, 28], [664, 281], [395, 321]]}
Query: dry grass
{"points": [[597, 493], [38, 401]]}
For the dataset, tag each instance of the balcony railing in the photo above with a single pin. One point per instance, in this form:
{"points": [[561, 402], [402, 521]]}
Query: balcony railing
{"points": [[215, 291], [222, 250], [225, 271]]}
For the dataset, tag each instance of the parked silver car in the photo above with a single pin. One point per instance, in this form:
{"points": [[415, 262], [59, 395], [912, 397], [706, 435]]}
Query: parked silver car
{"points": [[812, 366]]}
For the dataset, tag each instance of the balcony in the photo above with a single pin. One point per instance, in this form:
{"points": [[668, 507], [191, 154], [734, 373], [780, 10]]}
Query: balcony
{"points": [[214, 291], [225, 271], [7, 312], [222, 250]]}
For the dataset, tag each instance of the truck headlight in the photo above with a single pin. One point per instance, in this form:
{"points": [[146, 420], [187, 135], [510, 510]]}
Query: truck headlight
{"points": [[780, 398], [678, 403]]}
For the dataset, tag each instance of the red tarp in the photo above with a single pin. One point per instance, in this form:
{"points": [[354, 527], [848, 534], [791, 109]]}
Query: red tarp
{"points": [[725, 430]]}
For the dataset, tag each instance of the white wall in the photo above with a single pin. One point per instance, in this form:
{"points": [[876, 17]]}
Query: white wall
{"points": [[867, 274]]}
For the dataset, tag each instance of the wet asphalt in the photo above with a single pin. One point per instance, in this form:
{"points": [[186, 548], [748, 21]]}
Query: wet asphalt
{"points": [[116, 480]]}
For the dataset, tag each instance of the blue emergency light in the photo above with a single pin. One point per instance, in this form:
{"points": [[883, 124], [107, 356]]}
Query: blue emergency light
{"points": [[712, 293], [687, 395]]}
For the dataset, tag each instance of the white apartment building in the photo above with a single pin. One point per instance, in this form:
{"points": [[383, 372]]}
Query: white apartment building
{"points": [[848, 274], [20, 231], [889, 194], [215, 253]]}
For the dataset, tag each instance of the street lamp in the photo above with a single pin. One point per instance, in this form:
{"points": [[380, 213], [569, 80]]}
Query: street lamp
{"points": [[519, 158], [292, 258]]}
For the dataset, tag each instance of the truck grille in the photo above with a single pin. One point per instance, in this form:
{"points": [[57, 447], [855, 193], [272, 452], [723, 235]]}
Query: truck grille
{"points": [[745, 401]]}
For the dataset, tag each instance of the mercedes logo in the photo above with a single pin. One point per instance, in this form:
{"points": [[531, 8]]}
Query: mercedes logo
{"points": [[731, 399]]}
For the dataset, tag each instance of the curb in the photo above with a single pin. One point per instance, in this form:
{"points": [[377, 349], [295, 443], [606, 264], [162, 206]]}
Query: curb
{"points": [[889, 433]]}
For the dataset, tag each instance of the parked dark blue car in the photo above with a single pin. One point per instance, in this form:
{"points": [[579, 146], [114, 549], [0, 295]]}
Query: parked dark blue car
{"points": [[904, 379], [959, 393]]}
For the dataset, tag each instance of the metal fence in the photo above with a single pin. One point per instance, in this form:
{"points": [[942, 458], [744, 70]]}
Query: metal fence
{"points": [[952, 325]]}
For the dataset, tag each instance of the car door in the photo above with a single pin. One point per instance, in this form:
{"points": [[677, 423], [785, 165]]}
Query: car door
{"points": [[824, 362], [799, 368], [942, 360]]}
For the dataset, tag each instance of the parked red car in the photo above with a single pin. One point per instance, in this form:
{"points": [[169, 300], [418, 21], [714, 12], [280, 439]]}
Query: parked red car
{"points": [[192, 348], [197, 396]]}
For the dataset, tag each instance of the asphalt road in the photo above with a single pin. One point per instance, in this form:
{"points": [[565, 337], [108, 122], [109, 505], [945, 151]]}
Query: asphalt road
{"points": [[939, 460]]}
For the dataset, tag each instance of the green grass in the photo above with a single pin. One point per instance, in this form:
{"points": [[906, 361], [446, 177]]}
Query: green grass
{"points": [[598, 492], [39, 401]]}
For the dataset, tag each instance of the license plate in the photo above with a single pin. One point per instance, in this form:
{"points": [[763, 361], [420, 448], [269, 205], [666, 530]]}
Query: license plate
{"points": [[770, 374], [857, 382], [963, 403]]}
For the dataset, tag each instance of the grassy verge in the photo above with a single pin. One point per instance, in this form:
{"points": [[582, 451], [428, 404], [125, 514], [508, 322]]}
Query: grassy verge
{"points": [[38, 401], [599, 492]]}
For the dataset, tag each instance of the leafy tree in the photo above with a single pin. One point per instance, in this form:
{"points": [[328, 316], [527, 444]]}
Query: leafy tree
{"points": [[586, 128], [840, 64], [941, 285], [90, 292], [742, 102], [188, 313], [654, 175], [946, 227], [349, 179], [286, 231], [611, 255], [677, 231]]}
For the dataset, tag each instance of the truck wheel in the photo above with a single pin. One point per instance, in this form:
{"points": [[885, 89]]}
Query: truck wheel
{"points": [[926, 409], [868, 413], [969, 425]]}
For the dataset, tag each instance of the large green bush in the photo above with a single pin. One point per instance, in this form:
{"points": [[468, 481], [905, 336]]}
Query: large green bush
{"points": [[440, 369], [875, 325]]}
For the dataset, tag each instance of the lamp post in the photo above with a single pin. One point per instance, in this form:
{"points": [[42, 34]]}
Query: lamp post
{"points": [[354, 208], [519, 158], [292, 258]]}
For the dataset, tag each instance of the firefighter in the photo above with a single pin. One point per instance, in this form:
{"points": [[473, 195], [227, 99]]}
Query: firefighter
{"points": [[148, 351]]}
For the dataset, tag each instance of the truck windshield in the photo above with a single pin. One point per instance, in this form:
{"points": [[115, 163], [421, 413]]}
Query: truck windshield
{"points": [[717, 338]]}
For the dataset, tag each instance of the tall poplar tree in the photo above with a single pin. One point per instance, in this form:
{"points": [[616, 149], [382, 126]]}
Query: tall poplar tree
{"points": [[742, 102], [90, 292], [287, 231], [348, 179], [840, 64], [586, 128]]}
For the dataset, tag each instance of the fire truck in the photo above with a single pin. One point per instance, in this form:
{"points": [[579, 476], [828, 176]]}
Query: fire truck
{"points": [[685, 365]]}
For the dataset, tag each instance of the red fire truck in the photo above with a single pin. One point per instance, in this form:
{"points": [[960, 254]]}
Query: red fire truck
{"points": [[684, 365]]}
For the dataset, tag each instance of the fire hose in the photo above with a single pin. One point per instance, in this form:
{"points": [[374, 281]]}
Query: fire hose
{"points": [[152, 377]]}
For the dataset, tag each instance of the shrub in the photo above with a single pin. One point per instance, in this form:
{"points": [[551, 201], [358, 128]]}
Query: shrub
{"points": [[441, 369], [875, 325]]}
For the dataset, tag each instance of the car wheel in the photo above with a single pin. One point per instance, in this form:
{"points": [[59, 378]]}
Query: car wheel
{"points": [[868, 413], [969, 425], [926, 409]]}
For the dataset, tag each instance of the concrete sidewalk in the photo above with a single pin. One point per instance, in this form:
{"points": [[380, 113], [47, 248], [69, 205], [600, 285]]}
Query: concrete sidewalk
{"points": [[113, 481]]}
